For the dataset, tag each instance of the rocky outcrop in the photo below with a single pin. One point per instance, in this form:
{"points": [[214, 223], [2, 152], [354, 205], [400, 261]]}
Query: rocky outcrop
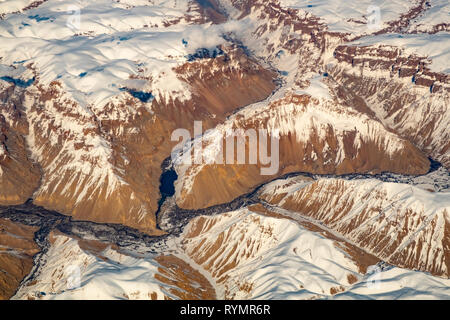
{"points": [[19, 175], [101, 160], [392, 84]]}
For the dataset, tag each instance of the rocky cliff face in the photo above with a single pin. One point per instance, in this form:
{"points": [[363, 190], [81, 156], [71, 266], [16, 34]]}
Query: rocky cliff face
{"points": [[393, 93], [401, 91]]}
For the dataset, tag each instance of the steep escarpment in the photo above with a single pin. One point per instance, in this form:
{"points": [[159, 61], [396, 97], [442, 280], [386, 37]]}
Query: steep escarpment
{"points": [[401, 90], [314, 135], [317, 171], [85, 131], [396, 100], [396, 73], [100, 130]]}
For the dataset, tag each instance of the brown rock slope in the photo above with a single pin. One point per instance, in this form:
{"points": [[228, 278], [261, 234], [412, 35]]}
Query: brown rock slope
{"points": [[103, 164], [19, 176], [315, 135], [182, 280], [382, 84], [16, 255], [386, 82]]}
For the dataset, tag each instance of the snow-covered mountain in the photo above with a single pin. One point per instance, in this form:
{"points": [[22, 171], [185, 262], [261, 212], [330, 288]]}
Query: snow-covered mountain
{"points": [[251, 253], [357, 96], [98, 113], [399, 223]]}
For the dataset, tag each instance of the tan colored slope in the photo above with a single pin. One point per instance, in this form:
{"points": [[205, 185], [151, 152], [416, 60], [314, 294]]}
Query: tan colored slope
{"points": [[182, 280], [253, 251], [19, 175], [392, 83], [119, 182], [399, 89], [316, 136], [16, 255], [220, 253]]}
